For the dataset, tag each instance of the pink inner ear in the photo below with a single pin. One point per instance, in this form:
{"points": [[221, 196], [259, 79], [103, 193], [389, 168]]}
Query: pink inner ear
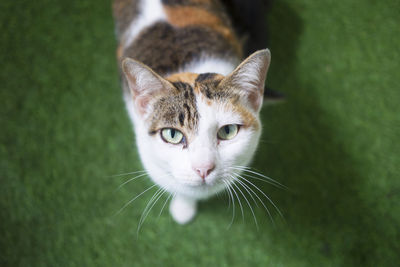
{"points": [[141, 102], [255, 99]]}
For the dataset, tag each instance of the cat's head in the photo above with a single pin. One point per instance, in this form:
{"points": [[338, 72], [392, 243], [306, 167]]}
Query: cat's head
{"points": [[194, 130]]}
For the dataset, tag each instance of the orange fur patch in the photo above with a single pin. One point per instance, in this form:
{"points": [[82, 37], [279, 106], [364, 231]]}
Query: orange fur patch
{"points": [[248, 118], [181, 16], [120, 51], [186, 77]]}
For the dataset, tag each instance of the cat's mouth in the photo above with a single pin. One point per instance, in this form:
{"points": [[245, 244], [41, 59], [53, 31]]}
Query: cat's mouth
{"points": [[201, 183], [206, 183], [213, 180]]}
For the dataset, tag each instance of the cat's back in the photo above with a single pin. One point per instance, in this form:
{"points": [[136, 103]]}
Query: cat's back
{"points": [[176, 35]]}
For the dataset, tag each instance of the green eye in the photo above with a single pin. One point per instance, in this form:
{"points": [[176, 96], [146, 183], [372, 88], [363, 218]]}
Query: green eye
{"points": [[228, 131], [171, 135]]}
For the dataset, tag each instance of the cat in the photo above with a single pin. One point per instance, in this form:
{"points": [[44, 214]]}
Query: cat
{"points": [[193, 101]]}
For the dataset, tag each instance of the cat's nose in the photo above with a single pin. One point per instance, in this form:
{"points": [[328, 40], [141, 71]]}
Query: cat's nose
{"points": [[204, 170]]}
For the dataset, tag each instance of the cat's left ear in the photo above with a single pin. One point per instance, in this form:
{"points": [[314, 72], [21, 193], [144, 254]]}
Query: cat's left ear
{"points": [[143, 83], [249, 78]]}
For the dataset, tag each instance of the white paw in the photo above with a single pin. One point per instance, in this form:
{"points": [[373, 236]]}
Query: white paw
{"points": [[182, 209]]}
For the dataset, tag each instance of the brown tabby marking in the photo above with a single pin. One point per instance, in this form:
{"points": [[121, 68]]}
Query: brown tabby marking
{"points": [[177, 108], [193, 28], [166, 49]]}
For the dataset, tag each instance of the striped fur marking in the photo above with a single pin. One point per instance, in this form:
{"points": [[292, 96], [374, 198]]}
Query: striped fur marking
{"points": [[167, 49], [178, 108]]}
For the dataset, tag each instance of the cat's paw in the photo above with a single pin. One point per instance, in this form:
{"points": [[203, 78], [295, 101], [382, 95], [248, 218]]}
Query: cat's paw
{"points": [[182, 209]]}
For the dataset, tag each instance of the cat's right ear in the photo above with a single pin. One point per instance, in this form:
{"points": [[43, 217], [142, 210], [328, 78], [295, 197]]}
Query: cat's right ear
{"points": [[248, 78], [143, 83]]}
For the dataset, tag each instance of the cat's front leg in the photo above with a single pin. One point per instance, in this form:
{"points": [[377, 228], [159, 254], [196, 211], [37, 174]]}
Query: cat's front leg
{"points": [[183, 209]]}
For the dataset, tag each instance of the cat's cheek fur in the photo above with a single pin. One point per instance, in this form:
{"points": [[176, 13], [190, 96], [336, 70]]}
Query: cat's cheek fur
{"points": [[239, 152]]}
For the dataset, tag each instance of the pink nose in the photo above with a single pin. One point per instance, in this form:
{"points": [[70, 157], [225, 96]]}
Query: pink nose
{"points": [[204, 170]]}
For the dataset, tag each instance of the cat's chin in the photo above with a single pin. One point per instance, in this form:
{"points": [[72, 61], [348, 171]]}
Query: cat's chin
{"points": [[198, 190], [195, 185], [199, 184]]}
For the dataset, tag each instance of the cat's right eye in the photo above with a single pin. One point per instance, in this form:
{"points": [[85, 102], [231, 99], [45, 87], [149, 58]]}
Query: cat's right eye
{"points": [[227, 132], [171, 135]]}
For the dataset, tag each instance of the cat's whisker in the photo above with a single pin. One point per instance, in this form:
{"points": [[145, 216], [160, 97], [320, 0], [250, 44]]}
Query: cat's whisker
{"points": [[154, 203], [240, 203], [147, 210], [260, 179], [248, 170], [262, 202], [165, 203], [149, 203], [248, 203], [131, 179], [253, 171], [127, 173], [133, 199], [241, 183], [226, 191], [269, 199], [233, 202], [229, 197]]}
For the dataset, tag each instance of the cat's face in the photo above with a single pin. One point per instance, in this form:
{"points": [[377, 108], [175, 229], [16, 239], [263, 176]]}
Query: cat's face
{"points": [[194, 132]]}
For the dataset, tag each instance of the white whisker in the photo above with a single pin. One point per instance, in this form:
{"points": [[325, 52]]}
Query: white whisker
{"points": [[147, 210], [241, 183], [269, 199], [148, 204], [131, 179], [248, 170], [261, 179], [248, 203], [262, 202], [133, 199], [233, 202], [162, 208], [240, 203], [229, 197]]}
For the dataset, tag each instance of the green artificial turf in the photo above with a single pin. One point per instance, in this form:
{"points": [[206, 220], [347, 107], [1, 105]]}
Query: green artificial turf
{"points": [[334, 142]]}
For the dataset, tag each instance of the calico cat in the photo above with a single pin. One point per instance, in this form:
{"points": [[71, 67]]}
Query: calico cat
{"points": [[194, 104]]}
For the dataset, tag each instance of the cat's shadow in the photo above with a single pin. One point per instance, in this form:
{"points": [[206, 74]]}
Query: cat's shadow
{"points": [[299, 149]]}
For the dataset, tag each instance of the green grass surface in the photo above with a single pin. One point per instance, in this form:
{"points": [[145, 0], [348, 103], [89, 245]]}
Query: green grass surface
{"points": [[335, 143]]}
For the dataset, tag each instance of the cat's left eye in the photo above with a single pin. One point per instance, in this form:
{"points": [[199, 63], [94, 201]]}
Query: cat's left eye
{"points": [[227, 132], [171, 135]]}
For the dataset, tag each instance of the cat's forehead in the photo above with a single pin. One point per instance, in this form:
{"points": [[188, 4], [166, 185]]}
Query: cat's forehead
{"points": [[195, 78], [179, 107]]}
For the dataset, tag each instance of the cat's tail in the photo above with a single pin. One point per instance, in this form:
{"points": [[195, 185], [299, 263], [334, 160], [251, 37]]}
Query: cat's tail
{"points": [[124, 12], [249, 19]]}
